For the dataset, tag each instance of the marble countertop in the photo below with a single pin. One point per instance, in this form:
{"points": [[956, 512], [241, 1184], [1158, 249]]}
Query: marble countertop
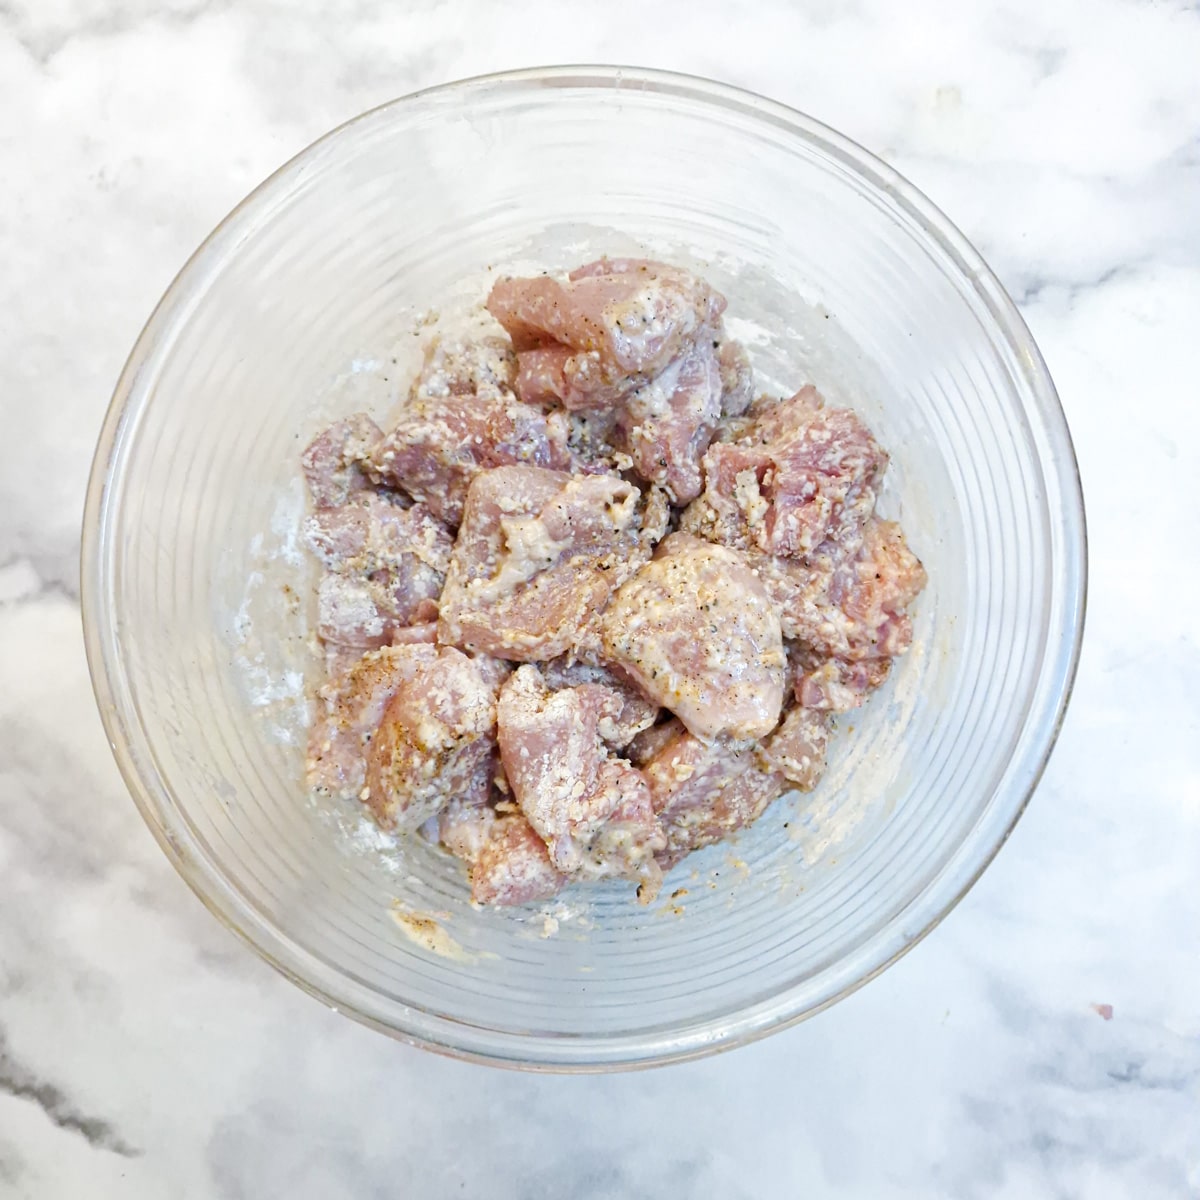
{"points": [[1044, 1042]]}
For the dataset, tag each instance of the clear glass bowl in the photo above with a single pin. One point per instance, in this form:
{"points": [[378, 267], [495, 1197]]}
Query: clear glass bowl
{"points": [[309, 301]]}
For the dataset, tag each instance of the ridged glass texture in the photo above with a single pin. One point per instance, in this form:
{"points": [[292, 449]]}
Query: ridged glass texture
{"points": [[284, 318]]}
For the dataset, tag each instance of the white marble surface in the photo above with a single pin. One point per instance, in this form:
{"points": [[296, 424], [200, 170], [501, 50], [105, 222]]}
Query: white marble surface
{"points": [[144, 1053]]}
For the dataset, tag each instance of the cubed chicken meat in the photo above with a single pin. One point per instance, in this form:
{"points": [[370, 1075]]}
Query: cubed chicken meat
{"points": [[622, 321], [541, 374], [507, 863], [737, 377], [512, 864], [385, 566], [622, 720], [435, 741], [695, 631], [796, 475], [704, 791], [537, 556], [885, 578], [333, 462], [463, 418], [834, 684], [590, 808], [796, 750], [852, 609], [666, 424], [350, 708]]}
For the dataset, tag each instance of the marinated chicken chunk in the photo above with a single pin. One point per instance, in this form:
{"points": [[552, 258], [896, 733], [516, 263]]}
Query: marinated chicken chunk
{"points": [[848, 608], [507, 863], [666, 424], [463, 418], [695, 630], [385, 567], [640, 339], [737, 378], [537, 557], [835, 684], [589, 605], [796, 750], [513, 866], [629, 712], [797, 474], [435, 742], [704, 791], [591, 808], [350, 708], [541, 373], [623, 321], [333, 462]]}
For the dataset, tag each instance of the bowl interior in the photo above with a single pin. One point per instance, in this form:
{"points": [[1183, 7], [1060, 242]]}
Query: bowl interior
{"points": [[314, 299]]}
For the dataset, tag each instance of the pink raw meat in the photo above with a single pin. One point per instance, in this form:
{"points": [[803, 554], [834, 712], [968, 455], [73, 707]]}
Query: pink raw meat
{"points": [[537, 557], [695, 630], [591, 809]]}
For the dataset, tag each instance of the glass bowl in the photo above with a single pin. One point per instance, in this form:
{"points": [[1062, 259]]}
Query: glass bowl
{"points": [[312, 300]]}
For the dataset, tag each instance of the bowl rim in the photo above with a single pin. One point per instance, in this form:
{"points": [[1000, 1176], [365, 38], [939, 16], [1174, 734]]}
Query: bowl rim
{"points": [[134, 756]]}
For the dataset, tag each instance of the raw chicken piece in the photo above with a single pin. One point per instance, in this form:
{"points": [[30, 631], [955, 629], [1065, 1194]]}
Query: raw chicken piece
{"points": [[332, 462], [349, 709], [623, 320], [348, 614], [797, 475], [835, 685], [666, 424], [513, 866], [636, 337], [464, 826], [737, 378], [885, 579], [851, 609], [541, 377], [434, 742], [650, 741], [694, 630], [591, 809], [704, 791], [385, 569], [796, 750], [507, 863], [537, 557], [463, 418], [631, 713]]}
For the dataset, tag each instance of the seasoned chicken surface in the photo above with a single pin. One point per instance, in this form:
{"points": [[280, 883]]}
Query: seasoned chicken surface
{"points": [[350, 708], [385, 566], [462, 418], [589, 603], [797, 474], [435, 741], [591, 808], [537, 557], [620, 322], [704, 791], [695, 630]]}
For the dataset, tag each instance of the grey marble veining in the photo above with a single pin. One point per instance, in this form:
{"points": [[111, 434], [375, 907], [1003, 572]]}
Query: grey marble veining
{"points": [[144, 1053]]}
